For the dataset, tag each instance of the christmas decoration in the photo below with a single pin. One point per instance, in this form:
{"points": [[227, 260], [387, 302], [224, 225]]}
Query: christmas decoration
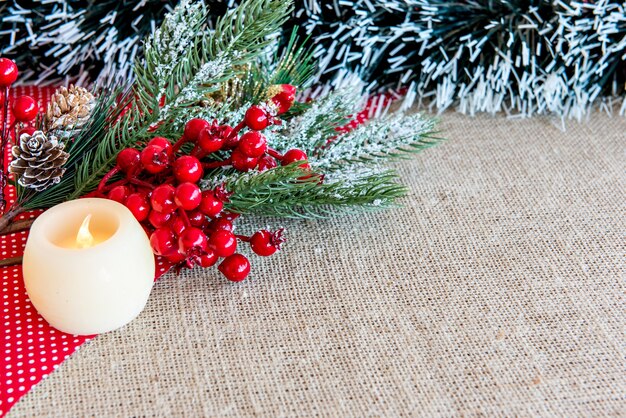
{"points": [[78, 285], [68, 110], [19, 375], [161, 187], [515, 56], [38, 161], [24, 109], [79, 39], [522, 57], [168, 100], [188, 162]]}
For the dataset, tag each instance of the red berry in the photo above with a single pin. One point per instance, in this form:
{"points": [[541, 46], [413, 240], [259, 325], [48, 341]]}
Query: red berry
{"points": [[193, 128], [175, 257], [264, 244], [242, 162], [266, 162], [256, 118], [188, 196], [225, 131], [178, 225], [154, 159], [25, 109], [288, 90], [162, 198], [138, 204], [209, 141], [294, 155], [252, 144], [223, 243], [163, 242], [285, 98], [208, 259], [29, 130], [282, 105], [158, 219], [119, 194], [188, 169], [164, 143], [211, 205], [235, 267], [221, 224], [197, 218], [8, 72], [128, 160], [193, 242]]}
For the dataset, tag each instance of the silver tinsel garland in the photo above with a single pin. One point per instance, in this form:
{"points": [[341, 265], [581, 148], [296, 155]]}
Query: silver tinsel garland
{"points": [[520, 57], [78, 40]]}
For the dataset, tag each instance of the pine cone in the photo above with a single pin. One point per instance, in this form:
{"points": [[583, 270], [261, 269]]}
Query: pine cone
{"points": [[38, 161], [69, 110]]}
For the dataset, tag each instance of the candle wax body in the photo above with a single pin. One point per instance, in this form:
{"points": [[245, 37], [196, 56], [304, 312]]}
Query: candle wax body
{"points": [[88, 290]]}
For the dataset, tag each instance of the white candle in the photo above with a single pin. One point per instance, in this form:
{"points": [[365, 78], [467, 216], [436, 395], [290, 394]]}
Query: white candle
{"points": [[88, 266]]}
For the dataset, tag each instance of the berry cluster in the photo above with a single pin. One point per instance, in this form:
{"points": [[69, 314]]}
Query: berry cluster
{"points": [[189, 226], [24, 108]]}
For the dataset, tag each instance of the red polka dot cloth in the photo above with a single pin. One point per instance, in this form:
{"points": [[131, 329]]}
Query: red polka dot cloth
{"points": [[31, 349]]}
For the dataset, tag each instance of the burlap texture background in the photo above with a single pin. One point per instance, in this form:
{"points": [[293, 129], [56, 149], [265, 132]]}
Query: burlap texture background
{"points": [[497, 290]]}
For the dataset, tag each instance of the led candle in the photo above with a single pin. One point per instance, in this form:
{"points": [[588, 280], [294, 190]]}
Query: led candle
{"points": [[88, 266]]}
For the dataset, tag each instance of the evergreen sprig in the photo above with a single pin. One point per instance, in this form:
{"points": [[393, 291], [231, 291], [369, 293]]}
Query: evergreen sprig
{"points": [[392, 136], [195, 69], [180, 60], [284, 192]]}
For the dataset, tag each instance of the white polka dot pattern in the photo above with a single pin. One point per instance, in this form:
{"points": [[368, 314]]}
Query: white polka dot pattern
{"points": [[31, 348]]}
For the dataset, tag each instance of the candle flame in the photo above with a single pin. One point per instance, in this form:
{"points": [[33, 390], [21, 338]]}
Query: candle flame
{"points": [[84, 239]]}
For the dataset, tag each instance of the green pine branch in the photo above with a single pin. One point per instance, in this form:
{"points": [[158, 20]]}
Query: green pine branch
{"points": [[183, 61], [295, 64], [391, 137], [286, 192]]}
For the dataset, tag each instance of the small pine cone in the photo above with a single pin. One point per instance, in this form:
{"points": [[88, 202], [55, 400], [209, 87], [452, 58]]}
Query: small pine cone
{"points": [[69, 110], [38, 161]]}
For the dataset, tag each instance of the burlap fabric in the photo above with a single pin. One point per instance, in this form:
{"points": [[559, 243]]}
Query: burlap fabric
{"points": [[498, 290]]}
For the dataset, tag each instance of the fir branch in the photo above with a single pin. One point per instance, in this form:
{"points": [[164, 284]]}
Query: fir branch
{"points": [[293, 64], [247, 28], [296, 65], [97, 162], [210, 58], [284, 192], [318, 123], [390, 136]]}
